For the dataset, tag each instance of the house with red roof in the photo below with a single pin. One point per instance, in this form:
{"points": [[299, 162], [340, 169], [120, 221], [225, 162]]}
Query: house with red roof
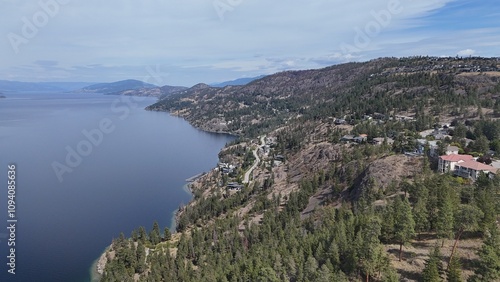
{"points": [[447, 163], [472, 169], [464, 166]]}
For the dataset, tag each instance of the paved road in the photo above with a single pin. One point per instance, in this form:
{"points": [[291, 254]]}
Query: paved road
{"points": [[246, 179]]}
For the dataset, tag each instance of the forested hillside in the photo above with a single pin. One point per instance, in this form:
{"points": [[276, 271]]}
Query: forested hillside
{"points": [[421, 86], [334, 178]]}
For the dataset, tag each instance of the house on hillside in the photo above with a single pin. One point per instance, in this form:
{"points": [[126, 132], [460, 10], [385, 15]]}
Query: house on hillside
{"points": [[432, 145], [472, 169], [234, 186], [340, 121], [464, 166], [347, 138], [226, 168], [403, 118], [451, 150], [447, 163], [380, 141], [351, 138], [361, 138], [441, 136], [280, 158]]}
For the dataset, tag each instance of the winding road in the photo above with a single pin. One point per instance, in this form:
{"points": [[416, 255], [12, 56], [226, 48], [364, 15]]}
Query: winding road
{"points": [[246, 179]]}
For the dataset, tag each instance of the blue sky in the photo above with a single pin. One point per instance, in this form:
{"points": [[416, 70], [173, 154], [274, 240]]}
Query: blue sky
{"points": [[190, 41]]}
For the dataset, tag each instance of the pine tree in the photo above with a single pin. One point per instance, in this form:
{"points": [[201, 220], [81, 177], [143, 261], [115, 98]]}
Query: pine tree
{"points": [[141, 257], [444, 220], [421, 215], [487, 203], [166, 234], [432, 267], [143, 236], [404, 225], [267, 274], [369, 250], [311, 269], [154, 235], [135, 235], [489, 255], [387, 232], [454, 273], [325, 274], [333, 255], [467, 219]]}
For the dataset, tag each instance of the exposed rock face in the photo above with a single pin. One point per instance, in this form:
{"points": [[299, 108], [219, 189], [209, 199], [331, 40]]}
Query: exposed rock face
{"points": [[315, 158], [101, 263], [381, 173]]}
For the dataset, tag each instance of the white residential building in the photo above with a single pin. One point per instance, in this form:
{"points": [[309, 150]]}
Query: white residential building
{"points": [[452, 150], [447, 163], [472, 169], [464, 166]]}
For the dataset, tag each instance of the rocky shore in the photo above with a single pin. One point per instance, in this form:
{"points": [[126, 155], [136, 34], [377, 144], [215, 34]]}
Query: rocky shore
{"points": [[97, 269], [99, 265]]}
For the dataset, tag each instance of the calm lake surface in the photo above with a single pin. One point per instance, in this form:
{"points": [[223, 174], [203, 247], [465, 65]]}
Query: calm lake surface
{"points": [[132, 175]]}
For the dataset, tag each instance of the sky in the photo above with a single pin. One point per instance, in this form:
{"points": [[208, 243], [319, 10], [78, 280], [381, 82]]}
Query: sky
{"points": [[185, 42]]}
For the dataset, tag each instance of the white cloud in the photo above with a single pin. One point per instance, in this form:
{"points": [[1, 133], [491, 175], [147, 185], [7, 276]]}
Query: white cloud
{"points": [[466, 53], [189, 39]]}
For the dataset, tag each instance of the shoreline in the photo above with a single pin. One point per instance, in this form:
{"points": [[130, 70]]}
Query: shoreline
{"points": [[195, 177], [187, 188], [208, 130], [100, 262]]}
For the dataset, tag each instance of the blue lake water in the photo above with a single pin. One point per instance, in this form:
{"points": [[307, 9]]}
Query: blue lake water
{"points": [[128, 173]]}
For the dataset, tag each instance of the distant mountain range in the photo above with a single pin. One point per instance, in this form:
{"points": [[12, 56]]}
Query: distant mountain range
{"points": [[19, 86], [239, 81], [151, 92], [116, 87], [129, 87]]}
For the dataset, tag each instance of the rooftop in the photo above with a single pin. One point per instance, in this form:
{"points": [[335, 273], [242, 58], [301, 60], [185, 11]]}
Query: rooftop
{"points": [[457, 158], [472, 164]]}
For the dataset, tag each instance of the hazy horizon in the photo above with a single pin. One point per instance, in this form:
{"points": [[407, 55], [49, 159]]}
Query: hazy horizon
{"points": [[166, 43]]}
